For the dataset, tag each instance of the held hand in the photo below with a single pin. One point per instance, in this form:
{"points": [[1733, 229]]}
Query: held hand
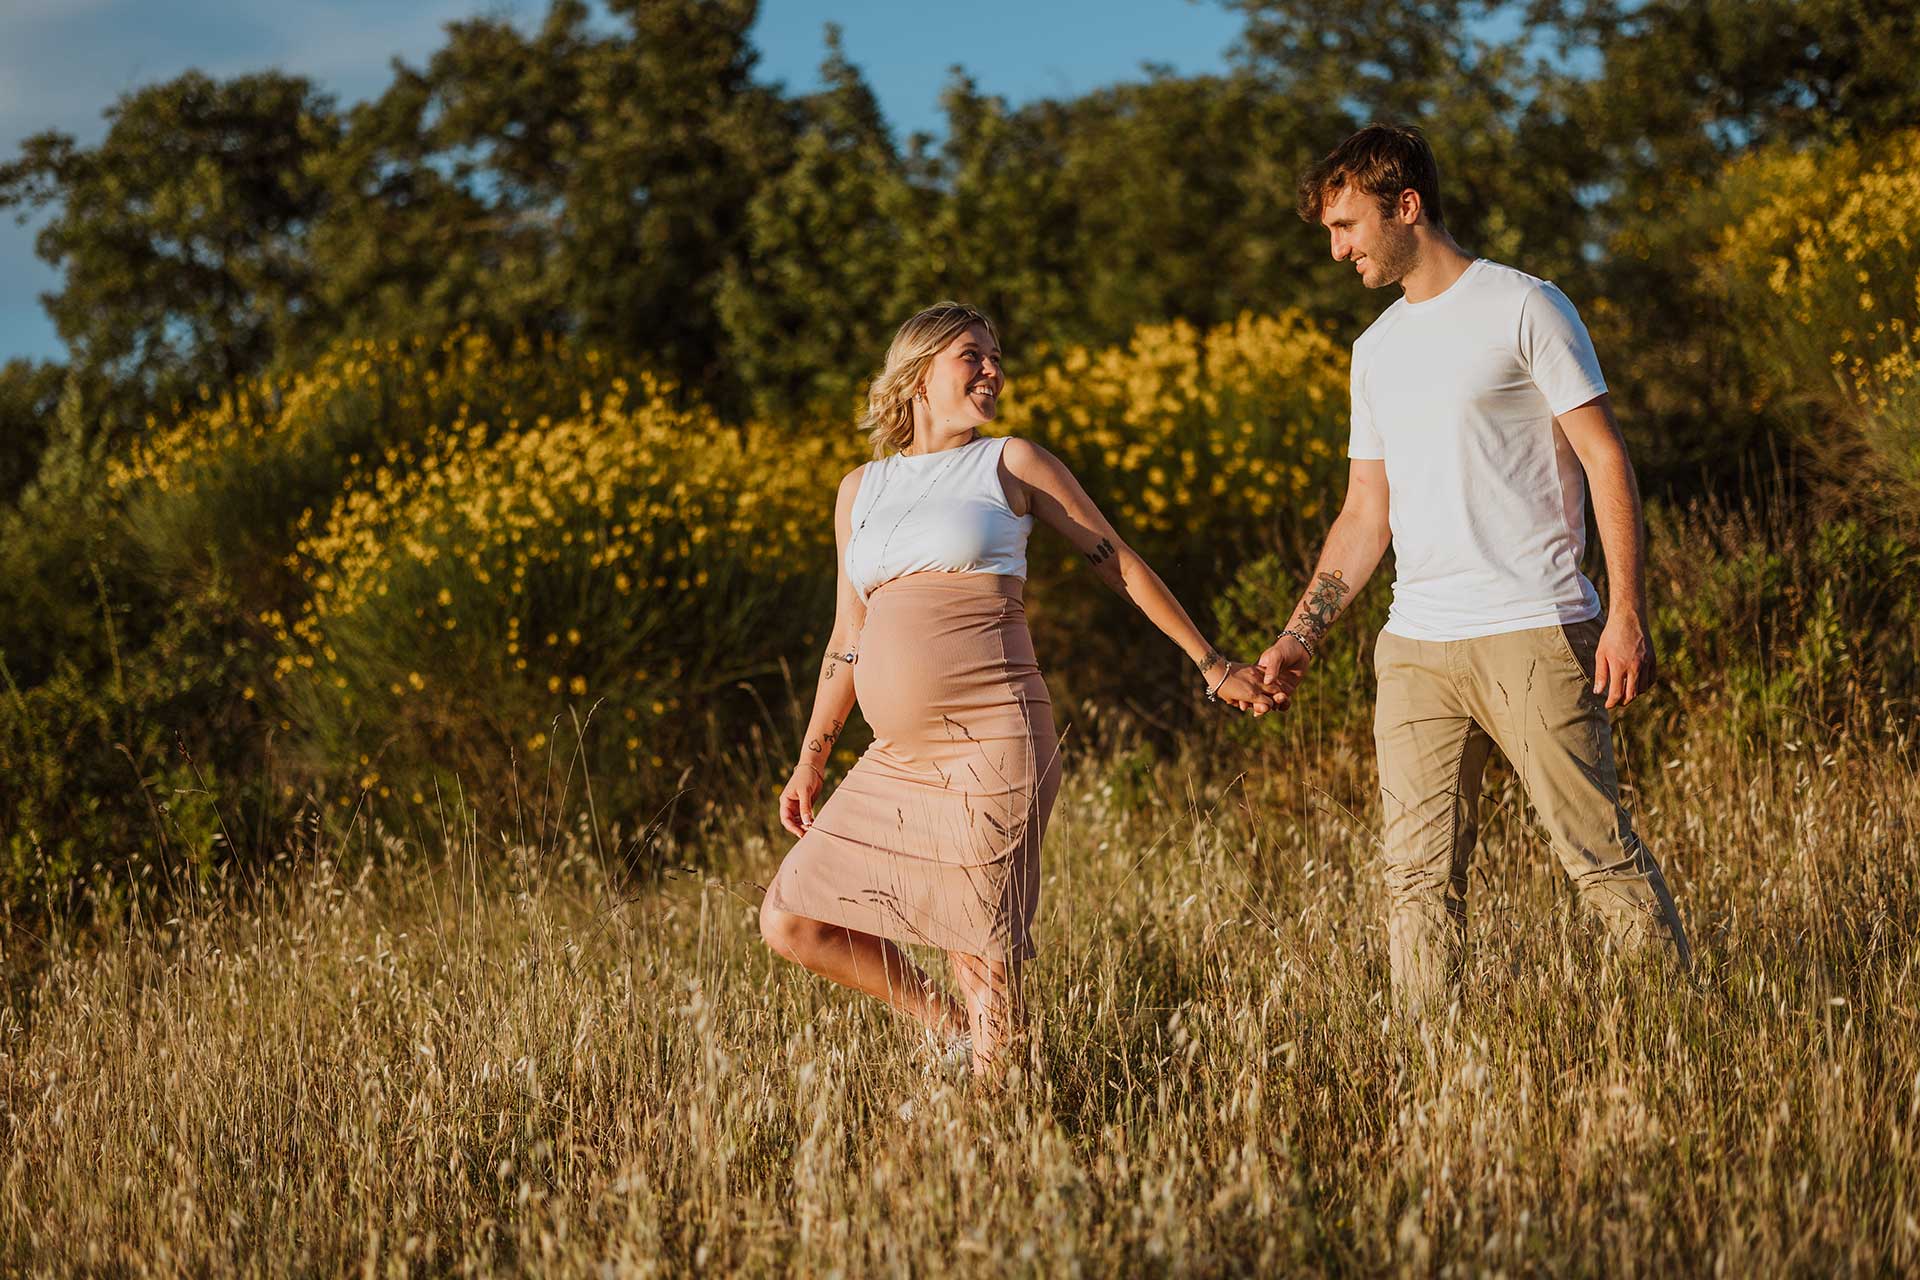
{"points": [[1284, 664], [1623, 662], [1244, 689], [796, 799]]}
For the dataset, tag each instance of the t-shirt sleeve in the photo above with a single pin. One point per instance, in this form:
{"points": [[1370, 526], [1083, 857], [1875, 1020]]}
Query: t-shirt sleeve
{"points": [[1363, 438], [1559, 354]]}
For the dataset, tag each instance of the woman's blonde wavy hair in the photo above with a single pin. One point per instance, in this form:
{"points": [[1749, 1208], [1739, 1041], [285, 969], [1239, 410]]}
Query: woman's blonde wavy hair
{"points": [[888, 421]]}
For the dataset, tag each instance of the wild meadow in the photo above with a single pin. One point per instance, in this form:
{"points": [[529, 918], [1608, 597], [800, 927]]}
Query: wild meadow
{"points": [[406, 611], [537, 1050], [528, 1040]]}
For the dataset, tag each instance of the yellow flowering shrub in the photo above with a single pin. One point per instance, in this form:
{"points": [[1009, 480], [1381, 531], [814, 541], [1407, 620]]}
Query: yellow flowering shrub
{"points": [[355, 391], [455, 549], [1823, 255], [1244, 423], [1207, 450], [212, 489], [634, 560]]}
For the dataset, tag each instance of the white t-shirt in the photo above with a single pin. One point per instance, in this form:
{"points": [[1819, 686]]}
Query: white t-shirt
{"points": [[1486, 498]]}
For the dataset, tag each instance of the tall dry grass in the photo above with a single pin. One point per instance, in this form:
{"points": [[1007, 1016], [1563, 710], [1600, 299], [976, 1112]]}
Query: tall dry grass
{"points": [[392, 1066]]}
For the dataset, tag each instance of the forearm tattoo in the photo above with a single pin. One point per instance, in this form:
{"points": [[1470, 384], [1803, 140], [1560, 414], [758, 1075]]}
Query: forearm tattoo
{"points": [[1213, 659], [824, 743], [1322, 604], [1101, 554]]}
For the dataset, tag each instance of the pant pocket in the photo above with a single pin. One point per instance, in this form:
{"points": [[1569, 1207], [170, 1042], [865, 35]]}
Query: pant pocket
{"points": [[1575, 644]]}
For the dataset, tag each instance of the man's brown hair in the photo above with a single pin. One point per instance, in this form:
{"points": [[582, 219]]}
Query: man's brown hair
{"points": [[1382, 160]]}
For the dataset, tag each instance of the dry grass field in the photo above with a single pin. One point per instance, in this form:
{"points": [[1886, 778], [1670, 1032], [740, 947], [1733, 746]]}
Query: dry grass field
{"points": [[390, 1065]]}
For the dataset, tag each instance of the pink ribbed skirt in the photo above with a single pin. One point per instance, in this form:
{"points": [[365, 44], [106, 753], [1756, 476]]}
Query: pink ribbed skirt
{"points": [[934, 835]]}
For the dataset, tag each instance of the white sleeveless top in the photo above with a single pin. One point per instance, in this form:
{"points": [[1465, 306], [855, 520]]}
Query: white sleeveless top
{"points": [[943, 512]]}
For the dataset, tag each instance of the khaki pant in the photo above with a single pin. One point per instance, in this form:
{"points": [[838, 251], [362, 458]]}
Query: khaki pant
{"points": [[1443, 707]]}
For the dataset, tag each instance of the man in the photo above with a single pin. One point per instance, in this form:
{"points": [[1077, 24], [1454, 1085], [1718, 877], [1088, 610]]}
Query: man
{"points": [[1479, 420]]}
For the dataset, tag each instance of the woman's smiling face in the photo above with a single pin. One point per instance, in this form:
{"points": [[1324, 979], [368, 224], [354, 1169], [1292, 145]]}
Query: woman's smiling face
{"points": [[964, 382]]}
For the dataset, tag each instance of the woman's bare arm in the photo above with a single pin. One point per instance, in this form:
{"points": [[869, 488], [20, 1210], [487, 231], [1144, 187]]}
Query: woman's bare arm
{"points": [[1051, 493], [833, 691]]}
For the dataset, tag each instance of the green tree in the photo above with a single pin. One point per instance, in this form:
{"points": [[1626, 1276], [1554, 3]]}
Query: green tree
{"points": [[1571, 134], [576, 179], [831, 260], [1682, 88], [657, 207], [180, 236], [1481, 79], [1686, 83], [414, 239], [29, 394], [1146, 202], [996, 225]]}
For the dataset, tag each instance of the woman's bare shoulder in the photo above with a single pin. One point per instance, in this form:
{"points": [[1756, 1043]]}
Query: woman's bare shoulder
{"points": [[1026, 459], [1022, 452], [850, 482]]}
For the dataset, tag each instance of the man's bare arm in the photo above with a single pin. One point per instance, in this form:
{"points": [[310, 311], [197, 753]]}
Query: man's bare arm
{"points": [[1624, 664], [1356, 542]]}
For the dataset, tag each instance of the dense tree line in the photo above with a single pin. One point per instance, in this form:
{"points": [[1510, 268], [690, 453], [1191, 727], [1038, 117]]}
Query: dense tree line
{"points": [[633, 184]]}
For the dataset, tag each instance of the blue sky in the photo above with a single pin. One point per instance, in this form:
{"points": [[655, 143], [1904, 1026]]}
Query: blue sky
{"points": [[63, 61]]}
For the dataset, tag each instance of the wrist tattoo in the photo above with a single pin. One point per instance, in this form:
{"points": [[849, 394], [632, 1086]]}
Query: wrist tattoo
{"points": [[1101, 554], [1213, 659], [1323, 604]]}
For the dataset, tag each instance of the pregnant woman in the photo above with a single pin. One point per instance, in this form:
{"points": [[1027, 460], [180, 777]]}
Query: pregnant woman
{"points": [[934, 836]]}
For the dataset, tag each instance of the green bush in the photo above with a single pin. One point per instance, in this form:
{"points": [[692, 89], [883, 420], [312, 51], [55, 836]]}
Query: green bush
{"points": [[1819, 258]]}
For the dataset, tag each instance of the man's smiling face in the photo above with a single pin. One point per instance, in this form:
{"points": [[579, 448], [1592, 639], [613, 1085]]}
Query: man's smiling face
{"points": [[1382, 248]]}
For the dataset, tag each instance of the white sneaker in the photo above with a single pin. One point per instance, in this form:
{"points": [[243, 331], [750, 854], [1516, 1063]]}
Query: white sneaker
{"points": [[958, 1055], [953, 1057]]}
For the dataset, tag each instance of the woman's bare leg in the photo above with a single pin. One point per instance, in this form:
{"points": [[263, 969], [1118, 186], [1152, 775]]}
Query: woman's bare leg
{"points": [[996, 1012], [864, 962]]}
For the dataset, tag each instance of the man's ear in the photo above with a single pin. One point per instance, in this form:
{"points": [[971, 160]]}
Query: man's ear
{"points": [[1410, 207]]}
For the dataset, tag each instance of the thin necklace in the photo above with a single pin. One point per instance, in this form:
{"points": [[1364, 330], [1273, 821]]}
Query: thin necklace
{"points": [[881, 562]]}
